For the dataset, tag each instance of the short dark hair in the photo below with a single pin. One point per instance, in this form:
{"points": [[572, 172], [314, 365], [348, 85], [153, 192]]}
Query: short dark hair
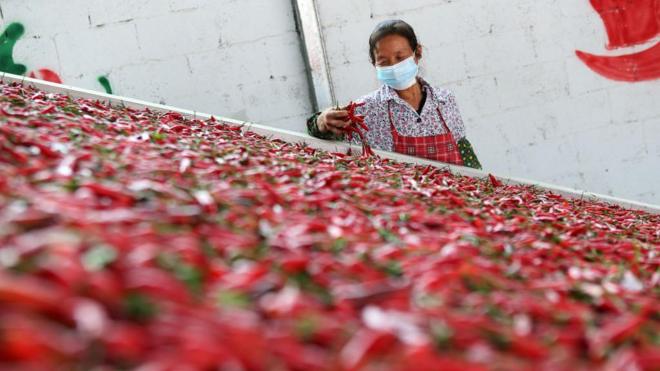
{"points": [[391, 27]]}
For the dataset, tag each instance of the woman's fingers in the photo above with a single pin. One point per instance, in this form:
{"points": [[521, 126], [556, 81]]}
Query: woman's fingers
{"points": [[338, 115], [335, 130], [340, 124], [336, 120], [332, 126]]}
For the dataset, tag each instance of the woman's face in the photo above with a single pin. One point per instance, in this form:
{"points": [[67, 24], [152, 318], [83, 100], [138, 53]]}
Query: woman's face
{"points": [[393, 49]]}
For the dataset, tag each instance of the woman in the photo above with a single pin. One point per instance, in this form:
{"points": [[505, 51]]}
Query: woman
{"points": [[406, 115]]}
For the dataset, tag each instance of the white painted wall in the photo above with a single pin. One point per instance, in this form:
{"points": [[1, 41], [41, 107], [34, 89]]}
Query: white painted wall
{"points": [[238, 58], [531, 108]]}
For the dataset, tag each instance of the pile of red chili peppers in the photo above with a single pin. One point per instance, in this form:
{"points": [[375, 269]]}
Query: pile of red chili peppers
{"points": [[131, 239]]}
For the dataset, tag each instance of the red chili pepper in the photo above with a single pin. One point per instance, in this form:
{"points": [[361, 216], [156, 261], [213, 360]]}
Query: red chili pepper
{"points": [[157, 283], [121, 198], [617, 331], [426, 358], [528, 348], [10, 156], [357, 126], [364, 344], [126, 341], [295, 264], [50, 109], [32, 294], [105, 287], [34, 340], [494, 181]]}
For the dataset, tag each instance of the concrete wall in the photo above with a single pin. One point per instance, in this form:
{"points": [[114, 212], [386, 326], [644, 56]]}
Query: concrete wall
{"points": [[238, 58], [532, 108]]}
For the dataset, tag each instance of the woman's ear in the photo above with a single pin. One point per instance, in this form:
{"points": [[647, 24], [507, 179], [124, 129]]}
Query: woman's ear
{"points": [[418, 53]]}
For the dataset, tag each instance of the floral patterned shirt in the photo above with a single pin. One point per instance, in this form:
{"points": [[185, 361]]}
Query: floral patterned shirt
{"points": [[407, 121]]}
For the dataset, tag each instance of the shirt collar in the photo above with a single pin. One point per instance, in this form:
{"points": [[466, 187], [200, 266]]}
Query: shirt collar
{"points": [[388, 93]]}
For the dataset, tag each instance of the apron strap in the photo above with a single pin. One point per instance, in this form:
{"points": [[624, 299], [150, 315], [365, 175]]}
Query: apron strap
{"points": [[444, 124], [442, 118], [396, 133]]}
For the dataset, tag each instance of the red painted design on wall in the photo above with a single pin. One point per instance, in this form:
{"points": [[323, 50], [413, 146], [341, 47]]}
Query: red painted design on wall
{"points": [[46, 74], [8, 38], [628, 23]]}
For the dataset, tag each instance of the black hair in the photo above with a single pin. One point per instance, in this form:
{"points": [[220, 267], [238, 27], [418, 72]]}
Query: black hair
{"points": [[391, 27]]}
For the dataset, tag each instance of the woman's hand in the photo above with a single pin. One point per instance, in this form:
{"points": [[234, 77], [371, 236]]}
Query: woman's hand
{"points": [[334, 120]]}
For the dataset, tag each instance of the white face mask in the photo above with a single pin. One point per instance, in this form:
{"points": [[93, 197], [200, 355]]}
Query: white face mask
{"points": [[400, 76]]}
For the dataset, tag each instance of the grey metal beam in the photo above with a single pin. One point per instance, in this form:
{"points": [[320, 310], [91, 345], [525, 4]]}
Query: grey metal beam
{"points": [[315, 53]]}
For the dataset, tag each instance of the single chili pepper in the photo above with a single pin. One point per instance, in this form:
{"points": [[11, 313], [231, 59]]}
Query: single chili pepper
{"points": [[157, 283], [363, 345], [32, 294], [114, 194], [494, 181], [126, 341]]}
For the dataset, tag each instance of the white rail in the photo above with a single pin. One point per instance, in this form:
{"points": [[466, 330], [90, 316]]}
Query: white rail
{"points": [[296, 137]]}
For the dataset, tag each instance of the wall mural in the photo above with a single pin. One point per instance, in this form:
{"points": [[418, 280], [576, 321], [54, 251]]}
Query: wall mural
{"points": [[8, 39], [628, 23], [46, 74], [103, 80]]}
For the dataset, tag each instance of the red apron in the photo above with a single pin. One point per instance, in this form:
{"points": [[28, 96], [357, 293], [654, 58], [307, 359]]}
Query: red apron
{"points": [[440, 147]]}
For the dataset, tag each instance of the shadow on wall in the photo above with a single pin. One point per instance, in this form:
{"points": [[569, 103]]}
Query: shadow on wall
{"points": [[8, 39], [628, 23]]}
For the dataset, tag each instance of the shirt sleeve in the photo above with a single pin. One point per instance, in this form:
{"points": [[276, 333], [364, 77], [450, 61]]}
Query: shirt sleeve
{"points": [[467, 154], [313, 129]]}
